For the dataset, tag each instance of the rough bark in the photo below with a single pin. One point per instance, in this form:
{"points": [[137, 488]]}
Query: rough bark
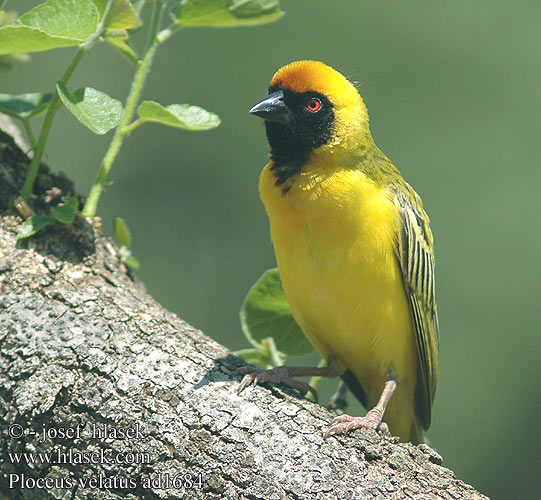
{"points": [[82, 343]]}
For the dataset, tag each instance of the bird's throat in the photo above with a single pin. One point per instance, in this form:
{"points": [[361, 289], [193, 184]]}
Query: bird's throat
{"points": [[292, 145]]}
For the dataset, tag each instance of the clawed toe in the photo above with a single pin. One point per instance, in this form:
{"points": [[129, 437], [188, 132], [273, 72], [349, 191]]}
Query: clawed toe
{"points": [[246, 381], [278, 375], [346, 423], [384, 429], [243, 370]]}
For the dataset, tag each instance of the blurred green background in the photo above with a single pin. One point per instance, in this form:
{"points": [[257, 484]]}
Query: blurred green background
{"points": [[453, 89]]}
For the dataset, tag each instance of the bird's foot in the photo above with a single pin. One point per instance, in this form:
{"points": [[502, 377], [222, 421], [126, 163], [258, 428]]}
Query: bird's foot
{"points": [[278, 375], [346, 423]]}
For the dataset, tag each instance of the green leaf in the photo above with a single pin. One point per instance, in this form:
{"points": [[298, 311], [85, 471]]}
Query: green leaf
{"points": [[94, 109], [121, 15], [34, 224], [254, 355], [127, 257], [178, 115], [131, 261], [53, 24], [123, 47], [122, 232], [24, 106], [227, 13], [138, 6], [66, 213], [266, 313], [266, 354]]}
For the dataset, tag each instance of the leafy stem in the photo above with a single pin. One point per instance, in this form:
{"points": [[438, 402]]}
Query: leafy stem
{"points": [[132, 126], [164, 34], [53, 107], [124, 127], [29, 133], [84, 23]]}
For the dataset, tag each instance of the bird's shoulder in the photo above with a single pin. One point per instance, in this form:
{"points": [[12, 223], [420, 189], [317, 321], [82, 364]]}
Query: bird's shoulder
{"points": [[383, 172]]}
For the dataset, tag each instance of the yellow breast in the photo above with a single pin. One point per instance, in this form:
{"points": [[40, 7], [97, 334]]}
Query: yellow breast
{"points": [[334, 234]]}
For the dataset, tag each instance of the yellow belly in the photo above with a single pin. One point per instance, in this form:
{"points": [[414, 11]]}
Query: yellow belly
{"points": [[334, 234]]}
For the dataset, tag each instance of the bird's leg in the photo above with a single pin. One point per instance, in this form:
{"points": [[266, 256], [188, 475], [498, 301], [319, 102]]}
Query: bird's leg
{"points": [[284, 374], [338, 399], [372, 420]]}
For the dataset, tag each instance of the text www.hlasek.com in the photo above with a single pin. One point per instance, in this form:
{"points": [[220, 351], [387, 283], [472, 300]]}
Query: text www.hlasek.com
{"points": [[73, 456]]}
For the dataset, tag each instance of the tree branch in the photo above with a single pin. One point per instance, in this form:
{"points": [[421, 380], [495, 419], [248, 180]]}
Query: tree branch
{"points": [[83, 347]]}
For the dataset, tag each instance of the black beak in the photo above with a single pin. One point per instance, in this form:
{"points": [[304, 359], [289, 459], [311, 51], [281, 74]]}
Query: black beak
{"points": [[272, 108]]}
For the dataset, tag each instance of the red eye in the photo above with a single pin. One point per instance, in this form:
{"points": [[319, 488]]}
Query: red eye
{"points": [[313, 105]]}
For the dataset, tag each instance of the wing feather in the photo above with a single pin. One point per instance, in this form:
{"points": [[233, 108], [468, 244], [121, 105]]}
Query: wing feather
{"points": [[416, 256]]}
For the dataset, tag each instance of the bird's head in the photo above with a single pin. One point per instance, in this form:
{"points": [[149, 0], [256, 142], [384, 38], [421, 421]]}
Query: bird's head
{"points": [[312, 108]]}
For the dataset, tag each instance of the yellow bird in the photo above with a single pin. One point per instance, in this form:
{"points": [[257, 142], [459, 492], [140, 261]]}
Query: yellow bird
{"points": [[354, 250]]}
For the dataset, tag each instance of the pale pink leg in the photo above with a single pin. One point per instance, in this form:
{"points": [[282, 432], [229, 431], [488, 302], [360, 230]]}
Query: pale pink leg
{"points": [[372, 420]]}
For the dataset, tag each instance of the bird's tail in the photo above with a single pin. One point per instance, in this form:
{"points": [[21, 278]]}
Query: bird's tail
{"points": [[416, 435]]}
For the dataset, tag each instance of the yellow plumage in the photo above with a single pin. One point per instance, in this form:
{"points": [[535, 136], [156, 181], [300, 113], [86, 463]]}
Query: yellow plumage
{"points": [[354, 251]]}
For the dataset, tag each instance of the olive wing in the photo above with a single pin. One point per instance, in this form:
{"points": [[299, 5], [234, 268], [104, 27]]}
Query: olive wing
{"points": [[416, 256]]}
